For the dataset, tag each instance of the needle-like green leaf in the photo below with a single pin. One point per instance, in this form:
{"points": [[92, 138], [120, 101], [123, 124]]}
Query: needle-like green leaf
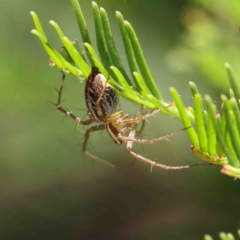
{"points": [[81, 22], [101, 44], [128, 91], [64, 53], [60, 62], [141, 83], [116, 61], [208, 237], [200, 124], [231, 126], [122, 80], [212, 137], [72, 51], [184, 117], [38, 26], [223, 236], [215, 117], [193, 88], [234, 83], [141, 61], [234, 107], [128, 47], [76, 57], [231, 93]]}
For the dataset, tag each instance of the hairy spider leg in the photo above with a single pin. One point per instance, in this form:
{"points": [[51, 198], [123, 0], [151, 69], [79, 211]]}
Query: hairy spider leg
{"points": [[146, 160], [69, 113], [141, 118], [152, 140], [102, 92], [84, 149], [82, 122], [140, 130]]}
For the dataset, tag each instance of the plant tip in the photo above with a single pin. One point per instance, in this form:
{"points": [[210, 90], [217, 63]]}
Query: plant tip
{"points": [[207, 237]]}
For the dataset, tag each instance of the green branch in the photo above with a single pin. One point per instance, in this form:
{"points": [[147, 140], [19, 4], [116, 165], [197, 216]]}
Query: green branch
{"points": [[214, 135]]}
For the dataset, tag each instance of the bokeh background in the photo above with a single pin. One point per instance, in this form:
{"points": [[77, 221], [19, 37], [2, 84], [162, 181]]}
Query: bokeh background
{"points": [[49, 190]]}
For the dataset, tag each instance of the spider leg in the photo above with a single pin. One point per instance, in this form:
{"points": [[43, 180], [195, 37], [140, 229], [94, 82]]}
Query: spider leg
{"points": [[141, 118], [139, 131], [132, 139], [146, 160], [69, 113], [84, 149], [102, 92]]}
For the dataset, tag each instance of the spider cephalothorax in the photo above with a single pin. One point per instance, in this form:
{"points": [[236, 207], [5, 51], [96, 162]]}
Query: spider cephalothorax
{"points": [[102, 103]]}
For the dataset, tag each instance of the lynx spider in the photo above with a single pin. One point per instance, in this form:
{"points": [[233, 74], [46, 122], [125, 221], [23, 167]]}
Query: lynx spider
{"points": [[102, 102]]}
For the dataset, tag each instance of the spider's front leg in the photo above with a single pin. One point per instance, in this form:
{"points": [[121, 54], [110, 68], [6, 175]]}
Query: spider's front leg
{"points": [[146, 160], [98, 102], [142, 117], [140, 130], [84, 149], [82, 122], [68, 113]]}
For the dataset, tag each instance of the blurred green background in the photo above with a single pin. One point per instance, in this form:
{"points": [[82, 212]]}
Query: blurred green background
{"points": [[49, 190]]}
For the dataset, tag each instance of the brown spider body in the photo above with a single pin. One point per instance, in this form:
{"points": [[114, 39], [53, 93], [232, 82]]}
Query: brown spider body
{"points": [[102, 103], [106, 105]]}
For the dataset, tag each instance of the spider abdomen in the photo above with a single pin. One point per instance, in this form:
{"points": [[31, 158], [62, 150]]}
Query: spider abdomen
{"points": [[101, 98]]}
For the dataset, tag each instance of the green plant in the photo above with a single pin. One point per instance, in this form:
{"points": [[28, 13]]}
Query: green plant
{"points": [[214, 136], [223, 236]]}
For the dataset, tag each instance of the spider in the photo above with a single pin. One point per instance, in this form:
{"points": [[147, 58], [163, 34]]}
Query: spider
{"points": [[102, 103]]}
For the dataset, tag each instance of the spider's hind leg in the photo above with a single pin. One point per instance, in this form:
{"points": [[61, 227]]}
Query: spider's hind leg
{"points": [[146, 160], [84, 149]]}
